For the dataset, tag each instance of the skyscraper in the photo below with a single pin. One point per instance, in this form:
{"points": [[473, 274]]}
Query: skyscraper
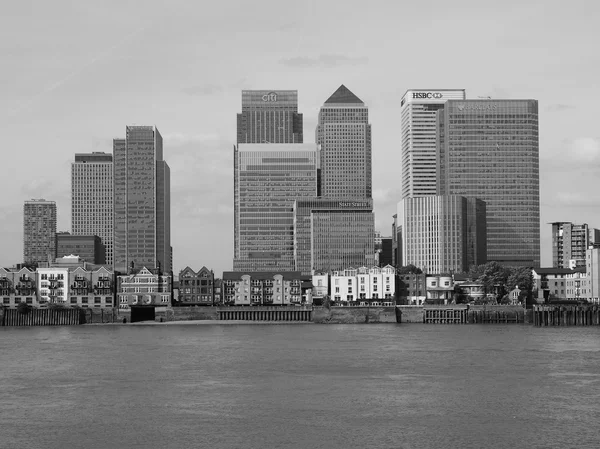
{"points": [[418, 138], [344, 135], [489, 149], [142, 209], [442, 233], [336, 230], [333, 234], [269, 116], [39, 231], [268, 178], [92, 199]]}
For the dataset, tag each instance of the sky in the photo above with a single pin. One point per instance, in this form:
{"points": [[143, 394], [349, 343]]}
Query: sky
{"points": [[75, 74]]}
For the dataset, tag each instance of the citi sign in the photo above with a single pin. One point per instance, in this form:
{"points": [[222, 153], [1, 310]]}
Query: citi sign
{"points": [[427, 95], [271, 97]]}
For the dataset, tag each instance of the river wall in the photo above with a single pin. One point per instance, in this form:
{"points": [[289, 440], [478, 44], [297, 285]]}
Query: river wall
{"points": [[352, 315]]}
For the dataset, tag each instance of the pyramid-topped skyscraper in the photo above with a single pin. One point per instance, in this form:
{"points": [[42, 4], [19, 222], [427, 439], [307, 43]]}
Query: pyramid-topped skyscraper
{"points": [[335, 231], [344, 134]]}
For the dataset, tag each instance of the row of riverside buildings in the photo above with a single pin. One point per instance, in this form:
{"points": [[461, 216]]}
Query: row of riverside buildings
{"points": [[303, 212], [71, 282]]}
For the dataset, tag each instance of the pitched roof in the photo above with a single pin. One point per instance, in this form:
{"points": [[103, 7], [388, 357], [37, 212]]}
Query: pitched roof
{"points": [[343, 95]]}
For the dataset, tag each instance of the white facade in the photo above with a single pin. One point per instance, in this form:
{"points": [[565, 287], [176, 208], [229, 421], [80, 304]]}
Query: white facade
{"points": [[358, 284], [592, 258], [53, 285], [320, 284], [418, 131]]}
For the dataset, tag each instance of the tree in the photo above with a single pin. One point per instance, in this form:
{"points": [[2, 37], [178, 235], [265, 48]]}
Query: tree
{"points": [[521, 277], [492, 275], [409, 269]]}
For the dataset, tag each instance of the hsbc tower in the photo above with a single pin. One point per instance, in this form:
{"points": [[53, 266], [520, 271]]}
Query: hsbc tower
{"points": [[418, 127]]}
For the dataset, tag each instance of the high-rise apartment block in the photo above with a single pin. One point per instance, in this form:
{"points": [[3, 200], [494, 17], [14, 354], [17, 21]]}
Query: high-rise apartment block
{"points": [[570, 242], [344, 135], [269, 116], [92, 199], [418, 137], [142, 211], [268, 179], [39, 231], [489, 149]]}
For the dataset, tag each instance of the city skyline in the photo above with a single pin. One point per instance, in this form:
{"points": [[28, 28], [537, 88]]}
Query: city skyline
{"points": [[193, 101]]}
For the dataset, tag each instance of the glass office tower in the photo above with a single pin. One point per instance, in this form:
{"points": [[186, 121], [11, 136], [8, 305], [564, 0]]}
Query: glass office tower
{"points": [[268, 179], [418, 138], [333, 234], [142, 210], [489, 149], [269, 116], [344, 136], [92, 199]]}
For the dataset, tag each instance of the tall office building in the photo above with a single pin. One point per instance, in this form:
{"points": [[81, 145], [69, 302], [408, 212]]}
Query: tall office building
{"points": [[336, 230], [489, 149], [344, 135], [268, 178], [418, 138], [332, 234], [269, 116], [442, 234], [142, 209], [39, 231], [570, 242], [92, 199]]}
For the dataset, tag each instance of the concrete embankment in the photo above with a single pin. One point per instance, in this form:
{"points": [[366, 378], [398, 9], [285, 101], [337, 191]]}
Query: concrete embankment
{"points": [[354, 315]]}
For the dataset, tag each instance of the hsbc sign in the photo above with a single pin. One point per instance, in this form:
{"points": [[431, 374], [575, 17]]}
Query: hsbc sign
{"points": [[427, 95]]}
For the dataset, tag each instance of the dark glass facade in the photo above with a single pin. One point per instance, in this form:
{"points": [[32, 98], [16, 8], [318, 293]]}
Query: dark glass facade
{"points": [[141, 201], [489, 149], [333, 234]]}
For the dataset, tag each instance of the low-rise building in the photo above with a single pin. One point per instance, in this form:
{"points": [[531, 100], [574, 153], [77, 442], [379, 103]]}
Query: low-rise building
{"points": [[262, 288], [412, 289], [550, 284], [361, 284], [144, 288], [196, 288], [91, 287], [440, 288], [18, 285], [67, 285], [320, 283]]}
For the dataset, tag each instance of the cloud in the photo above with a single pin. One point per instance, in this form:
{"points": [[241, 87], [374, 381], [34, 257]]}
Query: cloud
{"points": [[558, 107], [585, 149], [327, 60], [205, 89]]}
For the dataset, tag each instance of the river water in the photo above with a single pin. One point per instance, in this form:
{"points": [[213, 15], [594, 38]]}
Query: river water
{"points": [[300, 386]]}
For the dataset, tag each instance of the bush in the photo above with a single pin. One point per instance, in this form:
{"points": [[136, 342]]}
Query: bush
{"points": [[24, 308]]}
